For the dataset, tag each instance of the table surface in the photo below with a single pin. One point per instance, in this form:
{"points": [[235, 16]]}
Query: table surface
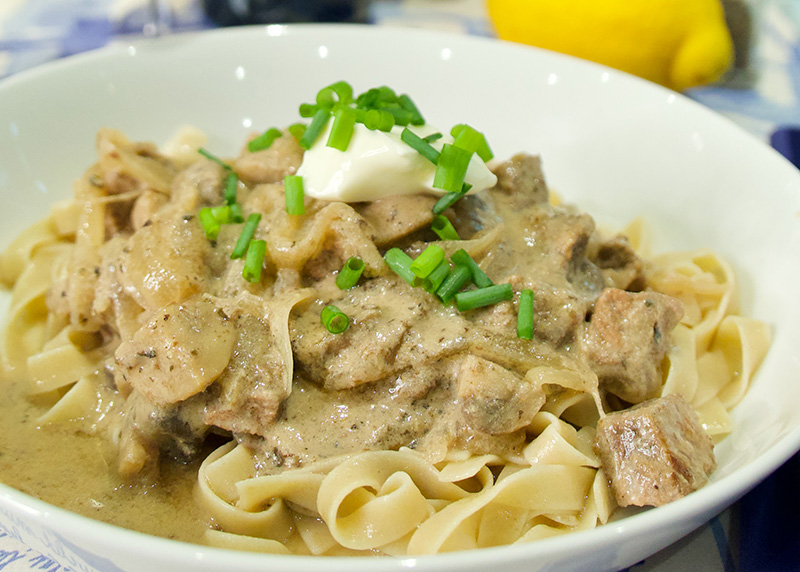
{"points": [[759, 533]]}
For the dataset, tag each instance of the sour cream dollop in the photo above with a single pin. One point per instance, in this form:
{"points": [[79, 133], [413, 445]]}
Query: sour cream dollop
{"points": [[376, 165]]}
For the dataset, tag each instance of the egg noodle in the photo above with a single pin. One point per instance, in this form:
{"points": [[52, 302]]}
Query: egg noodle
{"points": [[62, 334]]}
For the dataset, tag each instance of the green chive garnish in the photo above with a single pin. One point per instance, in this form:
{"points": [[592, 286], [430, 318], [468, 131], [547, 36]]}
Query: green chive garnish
{"points": [[236, 213], [222, 214], [408, 104], [294, 194], [450, 199], [472, 140], [334, 320], [444, 228], [264, 141], [254, 260], [248, 232], [525, 315], [483, 296], [420, 145], [400, 263], [316, 127], [433, 281], [231, 186], [451, 168], [344, 121], [297, 130], [339, 92], [378, 119], [210, 223], [307, 110], [454, 282], [479, 277], [350, 273], [427, 261], [212, 157], [432, 137]]}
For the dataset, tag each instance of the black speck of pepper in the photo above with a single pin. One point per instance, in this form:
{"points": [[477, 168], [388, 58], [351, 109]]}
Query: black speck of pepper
{"points": [[151, 353], [354, 426], [188, 217], [148, 222]]}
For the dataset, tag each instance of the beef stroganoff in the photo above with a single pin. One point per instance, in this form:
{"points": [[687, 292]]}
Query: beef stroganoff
{"points": [[433, 354]]}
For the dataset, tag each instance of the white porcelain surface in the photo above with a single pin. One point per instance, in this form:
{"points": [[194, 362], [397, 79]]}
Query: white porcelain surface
{"points": [[616, 145]]}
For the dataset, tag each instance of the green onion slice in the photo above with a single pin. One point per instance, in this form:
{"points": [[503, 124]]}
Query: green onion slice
{"points": [[472, 140], [525, 315], [231, 186], [222, 214], [379, 119], [340, 92], [451, 168], [432, 137], [209, 155], [350, 273], [210, 224], [420, 145], [455, 281], [407, 104], [444, 228], [483, 296], [344, 121], [254, 260], [314, 129], [433, 281], [265, 140], [427, 261], [479, 277], [334, 320], [400, 263], [236, 213], [246, 236], [297, 130], [294, 194], [450, 199]]}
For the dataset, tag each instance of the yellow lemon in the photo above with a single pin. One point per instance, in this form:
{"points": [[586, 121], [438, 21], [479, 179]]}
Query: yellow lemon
{"points": [[677, 43]]}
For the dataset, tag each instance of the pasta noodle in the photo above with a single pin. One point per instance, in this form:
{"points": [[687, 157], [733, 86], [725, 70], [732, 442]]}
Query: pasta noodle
{"points": [[109, 286]]}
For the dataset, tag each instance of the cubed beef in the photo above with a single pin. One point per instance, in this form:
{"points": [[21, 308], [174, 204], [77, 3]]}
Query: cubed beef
{"points": [[620, 265], [397, 216], [521, 180], [654, 452], [627, 338]]}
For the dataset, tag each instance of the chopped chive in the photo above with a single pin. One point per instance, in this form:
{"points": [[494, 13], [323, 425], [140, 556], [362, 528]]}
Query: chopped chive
{"points": [[344, 120], [444, 228], [455, 281], [308, 109], [432, 137], [316, 127], [264, 141], [400, 263], [254, 260], [483, 296], [472, 140], [419, 145], [401, 116], [236, 213], [350, 273], [434, 280], [231, 186], [408, 104], [479, 277], [378, 119], [339, 92], [248, 232], [209, 155], [222, 214], [334, 320], [525, 315], [450, 199], [427, 261], [451, 168], [297, 130], [294, 194], [209, 222]]}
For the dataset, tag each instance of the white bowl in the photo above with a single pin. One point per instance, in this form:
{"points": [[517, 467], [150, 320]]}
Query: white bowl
{"points": [[616, 145]]}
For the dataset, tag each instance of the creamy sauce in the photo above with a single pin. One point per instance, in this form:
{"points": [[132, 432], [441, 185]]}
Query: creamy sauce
{"points": [[67, 467]]}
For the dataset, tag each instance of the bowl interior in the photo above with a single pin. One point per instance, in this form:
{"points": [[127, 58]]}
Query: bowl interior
{"points": [[615, 145]]}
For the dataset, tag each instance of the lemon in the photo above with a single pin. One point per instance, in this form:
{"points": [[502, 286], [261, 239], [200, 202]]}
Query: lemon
{"points": [[677, 43]]}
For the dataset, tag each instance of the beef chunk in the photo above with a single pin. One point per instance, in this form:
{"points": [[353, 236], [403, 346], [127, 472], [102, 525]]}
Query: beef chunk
{"points": [[495, 400], [655, 452], [626, 339], [620, 265], [521, 180], [395, 217]]}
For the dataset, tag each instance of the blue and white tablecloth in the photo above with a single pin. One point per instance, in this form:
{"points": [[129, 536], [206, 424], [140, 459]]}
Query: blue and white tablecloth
{"points": [[761, 533]]}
